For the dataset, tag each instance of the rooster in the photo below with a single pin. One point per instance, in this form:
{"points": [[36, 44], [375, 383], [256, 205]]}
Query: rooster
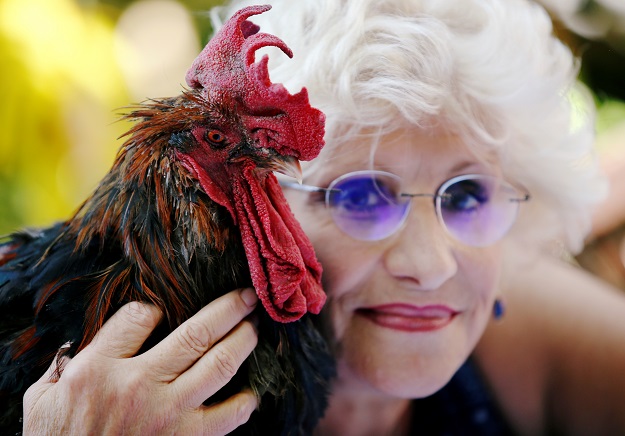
{"points": [[191, 209]]}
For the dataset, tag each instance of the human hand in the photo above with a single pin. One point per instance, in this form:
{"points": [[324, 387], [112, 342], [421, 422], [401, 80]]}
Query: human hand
{"points": [[104, 389]]}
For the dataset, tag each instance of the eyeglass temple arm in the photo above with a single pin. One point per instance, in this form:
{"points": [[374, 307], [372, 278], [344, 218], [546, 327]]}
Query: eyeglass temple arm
{"points": [[526, 197], [304, 188]]}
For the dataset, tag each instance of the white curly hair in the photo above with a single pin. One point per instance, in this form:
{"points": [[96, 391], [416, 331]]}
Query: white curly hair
{"points": [[491, 71]]}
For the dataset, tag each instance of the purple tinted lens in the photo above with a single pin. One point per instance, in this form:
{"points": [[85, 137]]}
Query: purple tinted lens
{"points": [[477, 210], [365, 205]]}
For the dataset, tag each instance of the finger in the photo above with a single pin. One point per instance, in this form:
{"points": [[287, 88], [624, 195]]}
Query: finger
{"points": [[185, 345], [217, 367], [126, 331], [224, 417]]}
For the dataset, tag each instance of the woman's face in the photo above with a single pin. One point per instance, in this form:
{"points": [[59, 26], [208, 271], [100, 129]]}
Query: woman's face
{"points": [[404, 312]]}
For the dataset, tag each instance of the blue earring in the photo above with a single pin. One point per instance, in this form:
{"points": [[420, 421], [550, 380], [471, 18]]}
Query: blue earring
{"points": [[499, 310]]}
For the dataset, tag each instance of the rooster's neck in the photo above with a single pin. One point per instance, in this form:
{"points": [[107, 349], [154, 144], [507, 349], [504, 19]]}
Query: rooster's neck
{"points": [[148, 194]]}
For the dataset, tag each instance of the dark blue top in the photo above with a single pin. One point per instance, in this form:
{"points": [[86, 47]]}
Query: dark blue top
{"points": [[465, 406]]}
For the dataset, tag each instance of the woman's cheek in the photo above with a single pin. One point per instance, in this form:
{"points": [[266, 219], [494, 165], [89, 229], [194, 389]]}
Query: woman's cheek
{"points": [[484, 275]]}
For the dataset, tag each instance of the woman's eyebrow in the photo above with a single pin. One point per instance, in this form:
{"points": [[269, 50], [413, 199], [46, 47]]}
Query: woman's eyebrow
{"points": [[465, 165]]}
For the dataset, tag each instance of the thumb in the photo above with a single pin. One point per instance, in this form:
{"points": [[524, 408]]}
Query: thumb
{"points": [[126, 331]]}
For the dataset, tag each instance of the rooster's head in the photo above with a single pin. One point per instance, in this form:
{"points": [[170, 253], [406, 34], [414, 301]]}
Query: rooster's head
{"points": [[256, 120]]}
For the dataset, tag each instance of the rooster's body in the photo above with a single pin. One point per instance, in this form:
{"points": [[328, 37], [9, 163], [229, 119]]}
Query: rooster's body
{"points": [[189, 211]]}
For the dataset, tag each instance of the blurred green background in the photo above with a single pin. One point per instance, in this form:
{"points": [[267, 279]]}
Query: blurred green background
{"points": [[67, 66]]}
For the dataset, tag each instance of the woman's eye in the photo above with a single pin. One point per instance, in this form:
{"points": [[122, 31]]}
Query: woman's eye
{"points": [[360, 198], [464, 196], [364, 194]]}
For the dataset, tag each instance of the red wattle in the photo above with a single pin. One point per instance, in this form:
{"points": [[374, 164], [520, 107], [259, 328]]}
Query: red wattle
{"points": [[283, 266]]}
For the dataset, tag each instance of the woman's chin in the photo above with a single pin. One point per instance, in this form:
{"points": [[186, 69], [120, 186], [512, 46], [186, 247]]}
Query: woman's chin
{"points": [[417, 379]]}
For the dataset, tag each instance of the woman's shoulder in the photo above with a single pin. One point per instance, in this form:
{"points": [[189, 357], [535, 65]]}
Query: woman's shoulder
{"points": [[557, 358]]}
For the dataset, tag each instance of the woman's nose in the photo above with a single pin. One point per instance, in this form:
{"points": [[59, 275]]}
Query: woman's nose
{"points": [[421, 254]]}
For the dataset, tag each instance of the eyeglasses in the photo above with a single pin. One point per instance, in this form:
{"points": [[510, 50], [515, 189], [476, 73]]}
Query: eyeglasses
{"points": [[476, 209]]}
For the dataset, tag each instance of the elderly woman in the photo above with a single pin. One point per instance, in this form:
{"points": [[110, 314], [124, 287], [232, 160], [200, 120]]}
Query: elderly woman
{"points": [[457, 154]]}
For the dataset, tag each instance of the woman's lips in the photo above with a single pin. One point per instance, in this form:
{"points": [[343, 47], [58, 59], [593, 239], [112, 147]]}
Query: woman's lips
{"points": [[409, 318]]}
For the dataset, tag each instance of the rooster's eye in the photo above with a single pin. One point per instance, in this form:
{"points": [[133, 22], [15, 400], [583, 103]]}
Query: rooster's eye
{"points": [[215, 137]]}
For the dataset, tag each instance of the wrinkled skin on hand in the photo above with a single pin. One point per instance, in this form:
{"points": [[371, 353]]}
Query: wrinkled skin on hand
{"points": [[104, 389]]}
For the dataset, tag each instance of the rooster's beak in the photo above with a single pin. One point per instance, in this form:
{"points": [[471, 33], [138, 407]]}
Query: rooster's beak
{"points": [[287, 165]]}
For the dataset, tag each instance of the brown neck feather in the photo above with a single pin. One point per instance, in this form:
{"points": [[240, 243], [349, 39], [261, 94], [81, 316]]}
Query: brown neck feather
{"points": [[151, 207]]}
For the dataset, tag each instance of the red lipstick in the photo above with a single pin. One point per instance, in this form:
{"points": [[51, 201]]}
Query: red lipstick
{"points": [[409, 318]]}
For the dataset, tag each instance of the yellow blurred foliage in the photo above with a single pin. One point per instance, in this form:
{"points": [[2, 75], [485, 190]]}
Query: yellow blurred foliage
{"points": [[59, 84]]}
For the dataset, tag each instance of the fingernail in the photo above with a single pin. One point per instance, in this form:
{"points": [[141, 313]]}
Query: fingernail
{"points": [[249, 296]]}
